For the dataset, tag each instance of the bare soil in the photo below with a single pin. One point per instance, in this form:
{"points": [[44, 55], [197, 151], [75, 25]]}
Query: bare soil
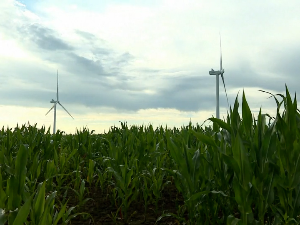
{"points": [[101, 209]]}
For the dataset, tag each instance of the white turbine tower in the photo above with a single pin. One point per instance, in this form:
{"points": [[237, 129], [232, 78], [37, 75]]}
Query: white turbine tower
{"points": [[217, 73], [54, 106]]}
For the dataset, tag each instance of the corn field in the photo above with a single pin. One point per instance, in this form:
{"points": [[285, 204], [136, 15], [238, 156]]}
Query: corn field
{"points": [[241, 170]]}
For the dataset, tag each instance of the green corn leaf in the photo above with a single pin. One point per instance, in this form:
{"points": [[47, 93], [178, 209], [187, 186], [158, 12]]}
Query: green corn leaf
{"points": [[91, 171], [196, 164], [231, 220], [46, 218], [240, 156], [14, 199], [50, 200], [205, 139], [198, 195], [69, 212], [187, 159], [82, 188], [272, 95], [239, 193], [291, 112], [175, 152], [51, 169], [3, 195], [117, 176], [232, 163], [61, 213], [9, 170], [20, 168], [39, 202], [2, 157], [221, 123], [23, 212], [72, 154], [235, 117], [247, 116], [128, 177]]}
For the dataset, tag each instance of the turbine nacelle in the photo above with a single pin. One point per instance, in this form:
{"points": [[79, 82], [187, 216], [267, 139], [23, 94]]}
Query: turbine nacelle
{"points": [[218, 72]]}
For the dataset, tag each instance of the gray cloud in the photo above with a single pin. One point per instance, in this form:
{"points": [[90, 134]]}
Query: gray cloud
{"points": [[87, 67], [88, 84], [148, 71], [81, 65], [99, 76], [100, 52], [188, 93], [86, 35], [96, 59], [45, 38]]}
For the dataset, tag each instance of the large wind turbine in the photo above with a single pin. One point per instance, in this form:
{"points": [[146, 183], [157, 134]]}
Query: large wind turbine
{"points": [[54, 106], [217, 73]]}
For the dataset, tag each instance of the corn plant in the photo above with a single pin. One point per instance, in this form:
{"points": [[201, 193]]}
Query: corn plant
{"points": [[81, 194], [189, 179], [126, 186], [287, 179], [90, 177]]}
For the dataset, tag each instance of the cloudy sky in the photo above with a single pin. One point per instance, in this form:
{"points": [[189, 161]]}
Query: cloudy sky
{"points": [[142, 61]]}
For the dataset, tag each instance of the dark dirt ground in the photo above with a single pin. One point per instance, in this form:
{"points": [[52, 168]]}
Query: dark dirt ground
{"points": [[101, 209]]}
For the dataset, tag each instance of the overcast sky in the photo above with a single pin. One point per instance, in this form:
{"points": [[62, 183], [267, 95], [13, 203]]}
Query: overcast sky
{"points": [[142, 61]]}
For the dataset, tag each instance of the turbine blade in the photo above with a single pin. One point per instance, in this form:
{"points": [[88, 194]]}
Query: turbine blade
{"points": [[225, 88], [50, 109], [220, 55], [65, 109], [57, 88]]}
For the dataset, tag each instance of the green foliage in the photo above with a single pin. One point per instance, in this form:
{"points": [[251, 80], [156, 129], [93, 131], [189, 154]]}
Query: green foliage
{"points": [[241, 170]]}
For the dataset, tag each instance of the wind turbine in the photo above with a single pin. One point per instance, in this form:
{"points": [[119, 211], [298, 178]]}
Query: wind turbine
{"points": [[55, 102], [217, 73]]}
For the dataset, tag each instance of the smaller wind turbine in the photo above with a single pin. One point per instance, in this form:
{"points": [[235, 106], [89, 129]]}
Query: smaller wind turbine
{"points": [[217, 73], [54, 106]]}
